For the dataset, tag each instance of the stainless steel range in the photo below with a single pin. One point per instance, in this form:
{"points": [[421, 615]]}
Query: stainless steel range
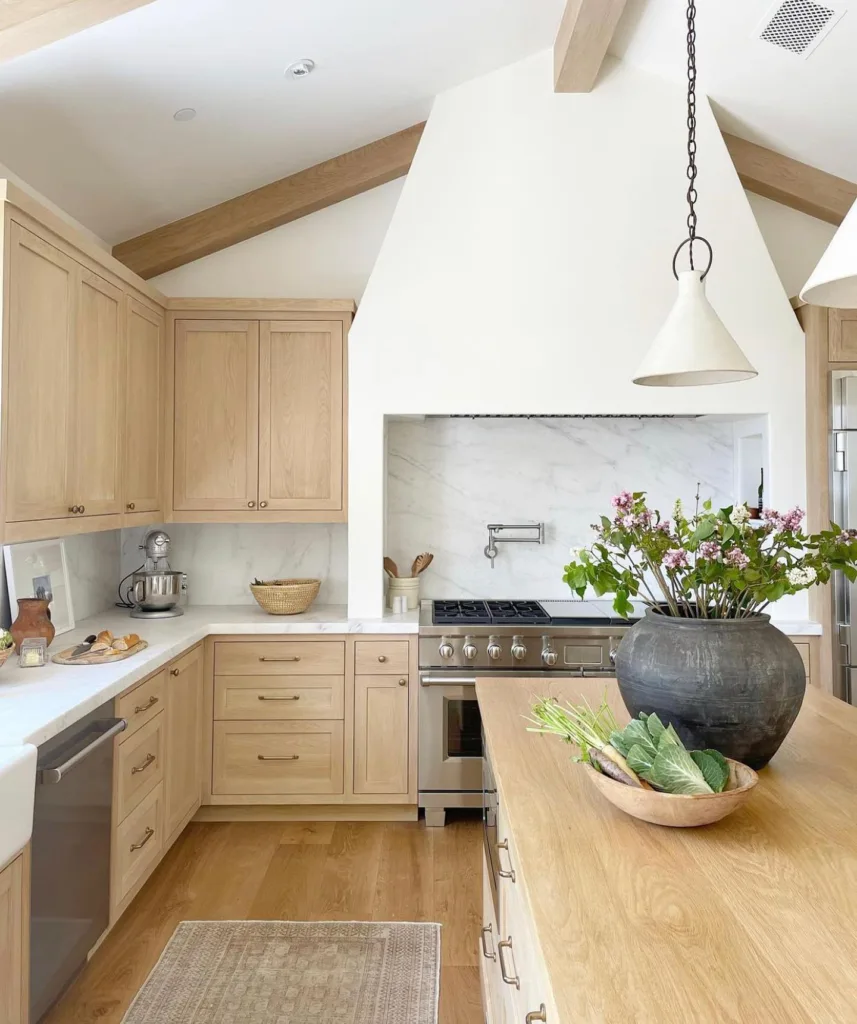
{"points": [[463, 640]]}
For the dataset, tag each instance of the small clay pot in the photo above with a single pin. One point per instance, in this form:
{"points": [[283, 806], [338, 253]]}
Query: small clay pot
{"points": [[34, 619]]}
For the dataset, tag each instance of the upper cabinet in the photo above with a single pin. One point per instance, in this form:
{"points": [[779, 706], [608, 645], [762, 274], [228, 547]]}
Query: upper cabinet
{"points": [[144, 404], [258, 415]]}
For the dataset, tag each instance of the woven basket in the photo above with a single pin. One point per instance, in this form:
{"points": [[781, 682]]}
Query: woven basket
{"points": [[5, 654], [285, 597]]}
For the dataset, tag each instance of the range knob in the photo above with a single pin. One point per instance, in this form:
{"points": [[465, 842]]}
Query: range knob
{"points": [[494, 649], [469, 649], [549, 655], [519, 651], [446, 650], [614, 650]]}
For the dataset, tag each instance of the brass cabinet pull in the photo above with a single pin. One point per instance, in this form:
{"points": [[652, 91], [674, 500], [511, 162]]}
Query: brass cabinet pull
{"points": [[488, 930], [175, 671], [510, 979], [291, 657], [263, 504], [130, 506], [403, 682], [541, 1015], [382, 658], [511, 872], [150, 703], [139, 846], [150, 759], [73, 509], [281, 757], [261, 697], [82, 509], [251, 504]]}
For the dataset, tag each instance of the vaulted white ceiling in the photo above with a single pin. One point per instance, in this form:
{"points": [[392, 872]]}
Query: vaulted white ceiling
{"points": [[88, 121]]}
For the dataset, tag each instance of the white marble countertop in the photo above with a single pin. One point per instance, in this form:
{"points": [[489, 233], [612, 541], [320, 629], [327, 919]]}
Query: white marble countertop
{"points": [[38, 703]]}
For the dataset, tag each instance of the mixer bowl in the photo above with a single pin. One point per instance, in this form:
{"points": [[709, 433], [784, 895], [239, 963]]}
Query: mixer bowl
{"points": [[156, 591]]}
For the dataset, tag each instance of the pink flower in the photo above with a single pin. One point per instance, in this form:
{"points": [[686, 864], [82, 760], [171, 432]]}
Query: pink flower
{"points": [[793, 518], [628, 521], [771, 516], [709, 549], [737, 559], [622, 502], [675, 558], [663, 526], [847, 536]]}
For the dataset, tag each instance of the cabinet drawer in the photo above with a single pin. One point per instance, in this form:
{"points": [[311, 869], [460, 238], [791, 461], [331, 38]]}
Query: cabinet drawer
{"points": [[141, 704], [139, 766], [381, 656], [275, 698], [139, 840], [278, 658], [277, 758]]}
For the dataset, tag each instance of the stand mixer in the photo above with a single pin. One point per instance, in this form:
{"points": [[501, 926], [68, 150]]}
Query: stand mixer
{"points": [[155, 588]]}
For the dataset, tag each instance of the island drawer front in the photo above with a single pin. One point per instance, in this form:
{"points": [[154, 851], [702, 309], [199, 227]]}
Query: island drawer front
{"points": [[239, 698], [141, 704], [280, 657], [277, 758], [139, 840], [374, 657], [139, 765]]}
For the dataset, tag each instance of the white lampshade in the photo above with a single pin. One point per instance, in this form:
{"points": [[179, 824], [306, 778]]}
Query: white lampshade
{"points": [[693, 347], [834, 280]]}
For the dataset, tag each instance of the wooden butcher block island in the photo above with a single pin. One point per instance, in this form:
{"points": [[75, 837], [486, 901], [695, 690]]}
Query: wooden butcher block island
{"points": [[608, 919]]}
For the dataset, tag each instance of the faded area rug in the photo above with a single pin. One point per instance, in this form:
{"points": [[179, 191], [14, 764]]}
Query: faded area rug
{"points": [[287, 972]]}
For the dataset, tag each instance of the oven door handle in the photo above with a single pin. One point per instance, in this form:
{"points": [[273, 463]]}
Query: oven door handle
{"points": [[429, 680]]}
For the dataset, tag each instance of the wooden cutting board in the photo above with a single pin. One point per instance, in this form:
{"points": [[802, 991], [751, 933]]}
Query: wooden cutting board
{"points": [[102, 658]]}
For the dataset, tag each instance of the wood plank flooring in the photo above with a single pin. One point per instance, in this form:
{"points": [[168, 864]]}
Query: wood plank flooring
{"points": [[315, 871]]}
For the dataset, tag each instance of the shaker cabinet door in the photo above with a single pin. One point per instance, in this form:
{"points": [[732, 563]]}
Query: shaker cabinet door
{"points": [[144, 347], [301, 415], [96, 394], [13, 955], [42, 301], [381, 734], [184, 739], [216, 423]]}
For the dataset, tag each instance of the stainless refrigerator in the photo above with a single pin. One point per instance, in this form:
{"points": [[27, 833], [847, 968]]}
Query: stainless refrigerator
{"points": [[843, 490]]}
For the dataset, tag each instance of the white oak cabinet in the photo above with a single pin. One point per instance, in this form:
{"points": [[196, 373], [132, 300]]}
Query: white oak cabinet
{"points": [[144, 406], [14, 954]]}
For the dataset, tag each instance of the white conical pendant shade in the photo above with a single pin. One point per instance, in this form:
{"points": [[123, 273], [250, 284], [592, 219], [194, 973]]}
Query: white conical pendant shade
{"points": [[693, 347], [834, 280]]}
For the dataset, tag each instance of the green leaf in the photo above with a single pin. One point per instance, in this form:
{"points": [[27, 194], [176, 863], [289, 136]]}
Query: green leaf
{"points": [[675, 771], [656, 728], [670, 738], [705, 529], [636, 732], [724, 764], [639, 760], [617, 741], [714, 773], [728, 533]]}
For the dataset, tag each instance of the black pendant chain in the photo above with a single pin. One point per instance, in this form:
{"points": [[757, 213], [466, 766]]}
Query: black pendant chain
{"points": [[692, 194]]}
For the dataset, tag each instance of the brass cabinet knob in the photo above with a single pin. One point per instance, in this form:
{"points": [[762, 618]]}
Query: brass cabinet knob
{"points": [[382, 658], [73, 509], [82, 509], [403, 682], [175, 671], [130, 506], [251, 504], [263, 504]]}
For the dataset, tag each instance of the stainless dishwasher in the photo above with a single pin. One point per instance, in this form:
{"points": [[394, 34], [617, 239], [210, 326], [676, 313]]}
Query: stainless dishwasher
{"points": [[70, 893]]}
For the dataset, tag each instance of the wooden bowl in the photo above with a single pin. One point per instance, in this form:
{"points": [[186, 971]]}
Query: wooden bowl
{"points": [[673, 809]]}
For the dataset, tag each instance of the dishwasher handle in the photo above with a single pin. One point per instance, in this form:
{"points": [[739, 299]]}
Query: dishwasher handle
{"points": [[51, 776]]}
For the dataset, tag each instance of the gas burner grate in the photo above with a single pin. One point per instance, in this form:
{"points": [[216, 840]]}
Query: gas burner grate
{"points": [[489, 613], [454, 613], [524, 613]]}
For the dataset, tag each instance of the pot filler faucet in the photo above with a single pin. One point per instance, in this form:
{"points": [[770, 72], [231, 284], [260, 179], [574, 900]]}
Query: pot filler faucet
{"points": [[536, 531]]}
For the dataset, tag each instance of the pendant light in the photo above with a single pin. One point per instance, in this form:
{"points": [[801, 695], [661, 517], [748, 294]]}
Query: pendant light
{"points": [[834, 280], [693, 347]]}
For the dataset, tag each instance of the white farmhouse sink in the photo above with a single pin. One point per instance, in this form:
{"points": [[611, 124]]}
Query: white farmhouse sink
{"points": [[17, 793]]}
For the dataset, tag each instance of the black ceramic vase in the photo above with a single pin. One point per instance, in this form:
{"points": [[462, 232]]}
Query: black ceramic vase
{"points": [[735, 685]]}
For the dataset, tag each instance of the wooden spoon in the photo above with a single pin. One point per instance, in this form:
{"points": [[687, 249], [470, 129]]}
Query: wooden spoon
{"points": [[390, 567], [421, 563]]}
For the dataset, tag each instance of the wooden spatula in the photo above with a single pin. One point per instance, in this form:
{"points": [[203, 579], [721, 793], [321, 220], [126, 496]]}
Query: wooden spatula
{"points": [[390, 568], [421, 563]]}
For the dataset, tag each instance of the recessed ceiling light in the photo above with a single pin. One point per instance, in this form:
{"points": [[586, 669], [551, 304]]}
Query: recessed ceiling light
{"points": [[301, 68], [185, 114]]}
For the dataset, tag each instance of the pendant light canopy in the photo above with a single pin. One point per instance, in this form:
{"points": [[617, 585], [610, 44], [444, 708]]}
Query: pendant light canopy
{"points": [[693, 347], [834, 280]]}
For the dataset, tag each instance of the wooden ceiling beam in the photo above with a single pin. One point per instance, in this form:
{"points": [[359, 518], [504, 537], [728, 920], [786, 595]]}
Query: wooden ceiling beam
{"points": [[270, 206], [790, 182], [27, 25], [584, 34]]}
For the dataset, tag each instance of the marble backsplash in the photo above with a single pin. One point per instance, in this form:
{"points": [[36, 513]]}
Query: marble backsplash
{"points": [[447, 478], [221, 559], [93, 565]]}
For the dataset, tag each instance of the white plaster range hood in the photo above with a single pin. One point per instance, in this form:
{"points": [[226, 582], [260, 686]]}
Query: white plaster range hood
{"points": [[527, 269]]}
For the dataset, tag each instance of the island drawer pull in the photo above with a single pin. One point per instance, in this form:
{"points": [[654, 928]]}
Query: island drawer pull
{"points": [[511, 872], [150, 703], [510, 979], [280, 757], [537, 1015], [291, 657], [263, 697], [147, 836], [150, 759], [488, 930]]}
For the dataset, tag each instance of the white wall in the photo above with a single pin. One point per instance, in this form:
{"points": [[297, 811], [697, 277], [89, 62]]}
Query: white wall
{"points": [[448, 478], [527, 268], [794, 240], [328, 254]]}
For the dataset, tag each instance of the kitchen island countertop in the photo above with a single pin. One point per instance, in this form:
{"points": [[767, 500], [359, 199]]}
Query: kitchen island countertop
{"points": [[748, 920]]}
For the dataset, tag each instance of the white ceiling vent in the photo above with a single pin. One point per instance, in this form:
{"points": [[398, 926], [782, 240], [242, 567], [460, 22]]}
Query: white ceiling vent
{"points": [[799, 25]]}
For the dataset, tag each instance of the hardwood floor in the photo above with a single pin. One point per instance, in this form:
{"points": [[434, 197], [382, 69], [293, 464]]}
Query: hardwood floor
{"points": [[318, 871]]}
